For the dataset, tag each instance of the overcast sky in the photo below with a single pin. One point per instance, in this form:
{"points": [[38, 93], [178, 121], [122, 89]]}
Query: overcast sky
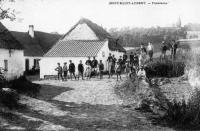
{"points": [[60, 15]]}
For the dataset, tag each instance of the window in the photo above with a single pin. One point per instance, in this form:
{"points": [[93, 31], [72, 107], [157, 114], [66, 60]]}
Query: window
{"points": [[6, 65], [103, 54]]}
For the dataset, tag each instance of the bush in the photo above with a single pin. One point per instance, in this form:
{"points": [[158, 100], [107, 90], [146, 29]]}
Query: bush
{"points": [[23, 86], [9, 92], [165, 69], [184, 114], [9, 99]]}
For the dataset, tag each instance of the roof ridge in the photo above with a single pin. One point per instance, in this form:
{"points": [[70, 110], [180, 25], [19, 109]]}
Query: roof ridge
{"points": [[99, 31]]}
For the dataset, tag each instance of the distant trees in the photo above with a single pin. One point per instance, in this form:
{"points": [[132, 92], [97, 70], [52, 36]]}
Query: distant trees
{"points": [[136, 36]]}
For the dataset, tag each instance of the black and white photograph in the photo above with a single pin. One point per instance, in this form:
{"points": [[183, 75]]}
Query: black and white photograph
{"points": [[99, 65]]}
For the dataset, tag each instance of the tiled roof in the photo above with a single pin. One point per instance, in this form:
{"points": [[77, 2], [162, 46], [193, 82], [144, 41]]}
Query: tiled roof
{"points": [[100, 32], [75, 48], [37, 46], [7, 40]]}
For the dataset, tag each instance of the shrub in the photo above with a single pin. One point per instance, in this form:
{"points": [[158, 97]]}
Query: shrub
{"points": [[22, 85], [165, 69], [184, 114], [9, 99]]}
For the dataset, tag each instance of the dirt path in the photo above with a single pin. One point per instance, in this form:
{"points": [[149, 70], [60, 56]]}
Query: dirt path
{"points": [[81, 105]]}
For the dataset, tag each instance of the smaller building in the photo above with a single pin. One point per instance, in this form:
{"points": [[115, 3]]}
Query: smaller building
{"points": [[11, 54], [36, 44]]}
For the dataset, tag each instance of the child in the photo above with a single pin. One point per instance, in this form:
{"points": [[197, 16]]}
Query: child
{"points": [[88, 71], [141, 73], [118, 70], [72, 69], [80, 70], [59, 70], [65, 70], [101, 68]]}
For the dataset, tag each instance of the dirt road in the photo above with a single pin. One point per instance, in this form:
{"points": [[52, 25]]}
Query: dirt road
{"points": [[78, 105]]}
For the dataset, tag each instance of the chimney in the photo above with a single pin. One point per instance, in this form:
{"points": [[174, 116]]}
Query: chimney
{"points": [[31, 31]]}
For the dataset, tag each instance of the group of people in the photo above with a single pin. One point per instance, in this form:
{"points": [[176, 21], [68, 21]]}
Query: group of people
{"points": [[90, 66], [134, 64], [173, 45]]}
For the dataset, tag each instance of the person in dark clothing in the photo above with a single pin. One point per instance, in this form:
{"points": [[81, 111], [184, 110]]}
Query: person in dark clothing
{"points": [[125, 57], [174, 46], [80, 70], [59, 70], [110, 61], [101, 68], [94, 64], [135, 60], [143, 49], [131, 57], [88, 62], [113, 64], [65, 71], [72, 69], [163, 50], [120, 60]]}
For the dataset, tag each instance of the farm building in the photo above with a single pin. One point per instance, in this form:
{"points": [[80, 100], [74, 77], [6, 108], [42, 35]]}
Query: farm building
{"points": [[84, 39], [11, 54], [36, 44]]}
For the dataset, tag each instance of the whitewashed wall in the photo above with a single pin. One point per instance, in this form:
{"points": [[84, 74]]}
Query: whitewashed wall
{"points": [[81, 32], [48, 64], [16, 64]]}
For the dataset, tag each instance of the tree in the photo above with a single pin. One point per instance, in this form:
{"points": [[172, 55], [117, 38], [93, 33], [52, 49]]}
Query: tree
{"points": [[6, 12]]}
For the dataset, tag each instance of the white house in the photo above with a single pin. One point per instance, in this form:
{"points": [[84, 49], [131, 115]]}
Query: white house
{"points": [[84, 39], [193, 35], [11, 55], [36, 44]]}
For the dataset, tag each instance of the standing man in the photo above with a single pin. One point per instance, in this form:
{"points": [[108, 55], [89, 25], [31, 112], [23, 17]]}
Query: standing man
{"points": [[125, 57], [88, 62], [94, 64], [143, 49], [113, 63], [120, 61], [101, 68], [174, 47], [150, 51], [59, 70], [110, 60], [131, 58], [72, 69], [163, 51], [65, 70], [80, 70], [135, 60]]}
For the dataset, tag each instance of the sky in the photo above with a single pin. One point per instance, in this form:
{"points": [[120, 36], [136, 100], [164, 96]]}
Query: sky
{"points": [[60, 15]]}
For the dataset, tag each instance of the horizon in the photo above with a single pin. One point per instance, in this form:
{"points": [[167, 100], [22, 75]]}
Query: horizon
{"points": [[59, 16]]}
